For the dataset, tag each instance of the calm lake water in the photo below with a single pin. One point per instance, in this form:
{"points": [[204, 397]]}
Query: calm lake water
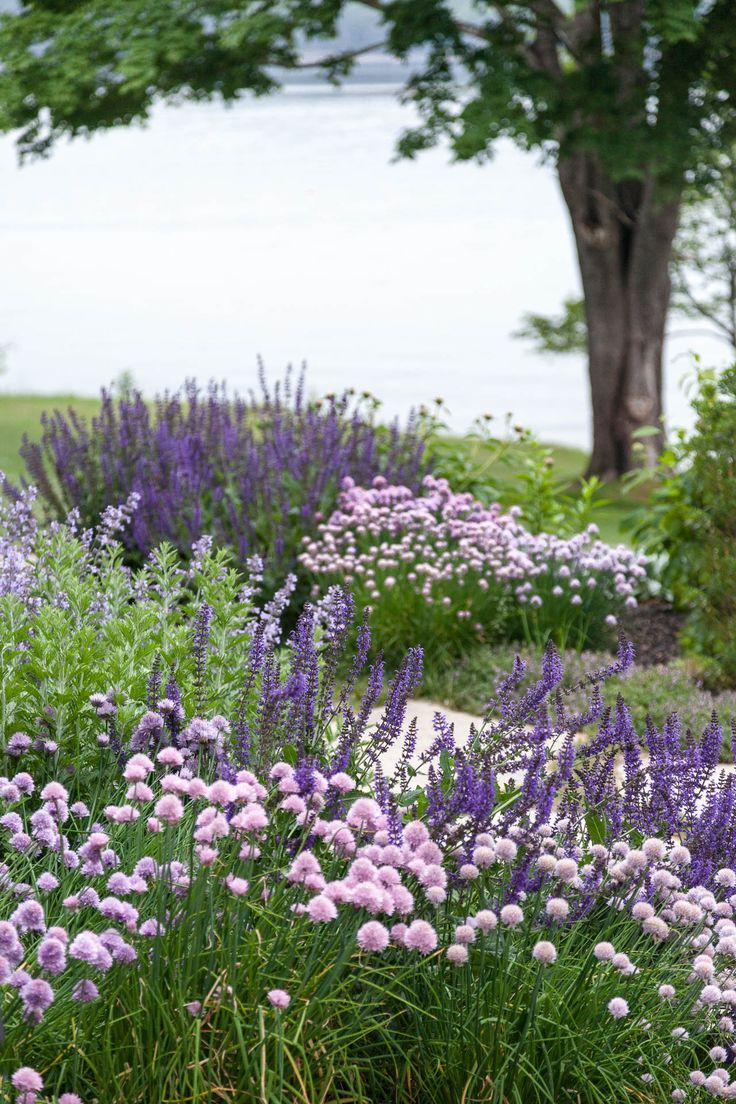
{"points": [[281, 227]]}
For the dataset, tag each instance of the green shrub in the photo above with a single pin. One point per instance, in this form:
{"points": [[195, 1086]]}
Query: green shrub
{"points": [[690, 528]]}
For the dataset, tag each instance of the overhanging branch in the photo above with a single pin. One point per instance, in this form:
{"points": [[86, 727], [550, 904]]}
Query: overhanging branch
{"points": [[339, 59]]}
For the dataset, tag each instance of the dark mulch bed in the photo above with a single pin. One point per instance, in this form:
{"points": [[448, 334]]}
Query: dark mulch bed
{"points": [[653, 628]]}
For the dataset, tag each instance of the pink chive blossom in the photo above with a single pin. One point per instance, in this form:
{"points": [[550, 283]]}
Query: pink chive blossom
{"points": [[85, 991], [27, 1080], [251, 819], [221, 792], [618, 1008], [469, 872], [170, 757], [398, 933], [365, 813], [70, 1098], [321, 910], [511, 915], [37, 995], [457, 954], [139, 791], [566, 870], [281, 770], [293, 804], [604, 952], [279, 998], [373, 936], [54, 791], [544, 952], [420, 936], [486, 920], [342, 782], [29, 916], [237, 886], [483, 857], [137, 768], [169, 809], [415, 833], [557, 908], [464, 933], [51, 955], [506, 850]]}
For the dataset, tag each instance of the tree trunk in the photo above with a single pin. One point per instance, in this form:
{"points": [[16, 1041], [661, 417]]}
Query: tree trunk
{"points": [[624, 238]]}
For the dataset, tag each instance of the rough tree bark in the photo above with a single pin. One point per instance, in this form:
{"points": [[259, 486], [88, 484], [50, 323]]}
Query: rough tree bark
{"points": [[624, 235]]}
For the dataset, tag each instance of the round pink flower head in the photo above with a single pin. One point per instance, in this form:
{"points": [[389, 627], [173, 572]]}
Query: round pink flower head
{"points": [[237, 886], [54, 791], [420, 936], [654, 848], [342, 782], [511, 915], [469, 872], [435, 895], [398, 933], [618, 1008], [373, 936], [506, 850], [621, 961], [464, 933], [457, 954], [486, 920], [26, 1079], [557, 908], [656, 927], [666, 992], [70, 1098], [566, 870], [365, 813], [170, 757], [544, 952], [483, 857], [279, 998], [169, 809], [321, 909], [604, 952], [415, 833]]}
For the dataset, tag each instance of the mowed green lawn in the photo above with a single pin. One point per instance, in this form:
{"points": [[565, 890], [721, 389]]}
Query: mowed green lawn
{"points": [[21, 415]]}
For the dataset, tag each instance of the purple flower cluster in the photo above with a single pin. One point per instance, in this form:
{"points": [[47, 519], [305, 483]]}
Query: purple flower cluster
{"points": [[464, 561], [254, 472]]}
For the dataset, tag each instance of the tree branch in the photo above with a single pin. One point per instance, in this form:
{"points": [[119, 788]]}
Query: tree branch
{"points": [[337, 59]]}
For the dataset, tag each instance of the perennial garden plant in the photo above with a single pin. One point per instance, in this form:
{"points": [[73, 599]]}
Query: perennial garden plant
{"points": [[689, 531], [222, 882], [256, 472], [441, 568]]}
